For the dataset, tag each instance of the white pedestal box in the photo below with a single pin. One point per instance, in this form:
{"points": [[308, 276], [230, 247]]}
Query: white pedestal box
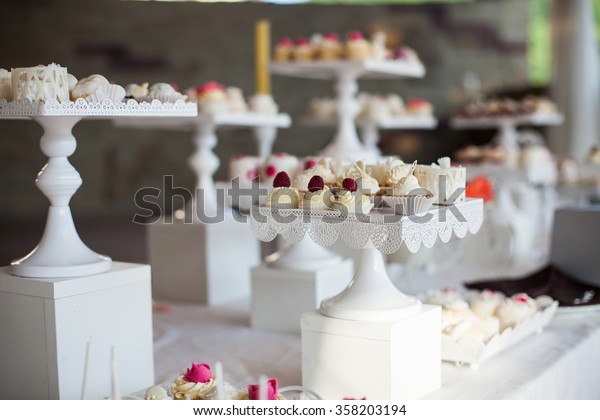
{"points": [[47, 324], [280, 295], [202, 263], [379, 361]]}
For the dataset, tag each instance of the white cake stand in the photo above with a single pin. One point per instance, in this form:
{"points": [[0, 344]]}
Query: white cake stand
{"points": [[346, 73], [204, 162], [60, 252], [370, 296], [508, 134], [369, 128]]}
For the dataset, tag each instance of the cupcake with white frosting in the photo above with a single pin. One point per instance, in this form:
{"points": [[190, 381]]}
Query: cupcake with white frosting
{"points": [[322, 168], [486, 302], [515, 310], [318, 196], [196, 383], [446, 182], [283, 195], [408, 197], [350, 200]]}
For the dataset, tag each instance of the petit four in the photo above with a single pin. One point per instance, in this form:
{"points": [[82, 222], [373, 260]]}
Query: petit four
{"points": [[279, 162], [446, 183], [350, 200], [5, 85], [486, 302], [366, 183], [330, 48], [245, 168], [318, 196], [284, 49], [303, 50], [40, 83], [357, 47], [196, 383], [515, 309]]}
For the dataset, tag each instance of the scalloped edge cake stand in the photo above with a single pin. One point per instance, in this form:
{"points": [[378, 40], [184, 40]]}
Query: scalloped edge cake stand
{"points": [[61, 252], [371, 296], [346, 73]]}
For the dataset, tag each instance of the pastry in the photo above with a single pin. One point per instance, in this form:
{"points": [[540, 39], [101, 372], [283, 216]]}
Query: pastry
{"points": [[283, 195], [262, 103], [480, 329], [454, 308], [135, 91], [211, 98], [419, 107], [303, 50], [406, 54], [322, 169], [236, 102], [165, 92], [446, 183], [156, 392], [318, 196], [515, 309], [486, 302], [271, 394], [323, 109], [279, 162], [366, 183], [331, 48], [40, 83], [357, 47], [5, 85], [568, 171], [392, 171], [350, 200], [89, 85], [378, 48], [284, 50], [196, 383], [245, 168], [593, 156], [409, 186]]}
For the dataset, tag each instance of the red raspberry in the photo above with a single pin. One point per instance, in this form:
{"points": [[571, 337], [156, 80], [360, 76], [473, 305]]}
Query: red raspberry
{"points": [[316, 184], [349, 184], [309, 164], [282, 180]]}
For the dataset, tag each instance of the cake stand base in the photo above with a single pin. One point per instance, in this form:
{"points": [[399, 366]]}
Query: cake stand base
{"points": [[47, 324], [202, 263], [281, 295], [374, 360]]}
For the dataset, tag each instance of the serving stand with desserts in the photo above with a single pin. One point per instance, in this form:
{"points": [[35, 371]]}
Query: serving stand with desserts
{"points": [[370, 316], [328, 59], [41, 340], [189, 253]]}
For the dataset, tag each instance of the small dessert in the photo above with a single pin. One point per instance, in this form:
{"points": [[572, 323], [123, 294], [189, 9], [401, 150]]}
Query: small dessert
{"points": [[406, 54], [396, 104], [378, 48], [245, 168], [393, 171], [196, 383], [350, 200], [446, 183], [419, 107], [284, 50], [543, 301], [303, 50], [279, 162], [593, 156], [165, 92], [568, 171], [96, 88], [366, 183], [211, 98], [235, 98], [515, 309], [454, 308], [283, 195], [331, 48], [318, 196], [135, 91], [480, 187], [71, 82], [408, 197], [486, 302], [357, 47], [156, 392], [322, 168], [40, 83], [480, 329], [5, 85], [262, 103], [323, 109]]}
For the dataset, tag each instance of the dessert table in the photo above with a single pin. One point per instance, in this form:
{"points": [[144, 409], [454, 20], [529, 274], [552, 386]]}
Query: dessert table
{"points": [[559, 363]]}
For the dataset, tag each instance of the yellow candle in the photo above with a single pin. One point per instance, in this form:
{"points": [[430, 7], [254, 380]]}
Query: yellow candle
{"points": [[263, 46]]}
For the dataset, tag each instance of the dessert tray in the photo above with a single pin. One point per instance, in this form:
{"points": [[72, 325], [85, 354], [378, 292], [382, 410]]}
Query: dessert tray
{"points": [[370, 296], [470, 351]]}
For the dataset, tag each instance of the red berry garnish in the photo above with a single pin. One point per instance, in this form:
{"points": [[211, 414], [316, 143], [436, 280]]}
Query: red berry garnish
{"points": [[349, 184], [239, 156], [309, 164], [251, 174], [281, 154], [522, 299], [270, 171], [282, 180], [286, 41], [316, 184], [355, 35], [302, 42]]}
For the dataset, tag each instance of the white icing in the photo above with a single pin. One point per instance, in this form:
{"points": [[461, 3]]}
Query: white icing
{"points": [[88, 85], [40, 83], [283, 197], [263, 104], [352, 202]]}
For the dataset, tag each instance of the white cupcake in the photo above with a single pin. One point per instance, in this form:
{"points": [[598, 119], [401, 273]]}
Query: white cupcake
{"points": [[515, 310], [350, 200], [486, 302], [283, 195]]}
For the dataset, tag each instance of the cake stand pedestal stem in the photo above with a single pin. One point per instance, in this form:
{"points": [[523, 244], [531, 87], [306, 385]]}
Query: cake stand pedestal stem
{"points": [[370, 136], [205, 163], [60, 253], [265, 137]]}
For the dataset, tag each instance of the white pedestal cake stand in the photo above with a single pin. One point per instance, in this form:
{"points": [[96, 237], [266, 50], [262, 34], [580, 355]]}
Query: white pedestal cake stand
{"points": [[204, 162], [369, 128], [370, 296], [346, 73], [371, 322], [61, 253], [507, 126]]}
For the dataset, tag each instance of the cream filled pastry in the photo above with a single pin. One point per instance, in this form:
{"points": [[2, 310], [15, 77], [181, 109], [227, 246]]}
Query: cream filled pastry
{"points": [[318, 196], [350, 200], [515, 309], [283, 195], [5, 85], [322, 169], [165, 92], [446, 183], [366, 183], [486, 302], [88, 86], [135, 91], [197, 383]]}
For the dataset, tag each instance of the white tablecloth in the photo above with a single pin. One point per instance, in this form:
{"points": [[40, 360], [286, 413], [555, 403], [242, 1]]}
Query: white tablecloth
{"points": [[562, 362]]}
